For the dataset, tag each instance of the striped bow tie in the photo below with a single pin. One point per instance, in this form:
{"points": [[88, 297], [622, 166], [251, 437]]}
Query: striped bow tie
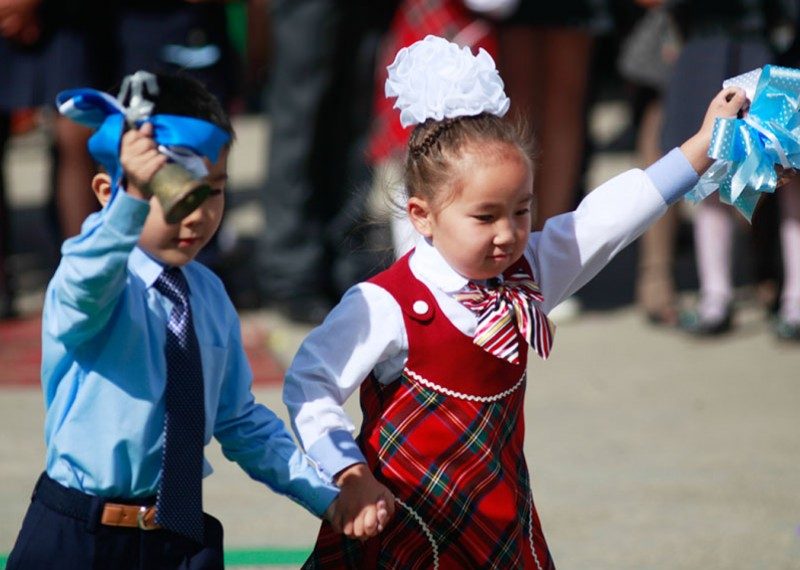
{"points": [[505, 309]]}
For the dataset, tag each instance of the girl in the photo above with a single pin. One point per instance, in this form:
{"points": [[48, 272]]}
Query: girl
{"points": [[438, 342]]}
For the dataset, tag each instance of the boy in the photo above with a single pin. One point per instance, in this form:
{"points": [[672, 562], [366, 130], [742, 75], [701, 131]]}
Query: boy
{"points": [[142, 362]]}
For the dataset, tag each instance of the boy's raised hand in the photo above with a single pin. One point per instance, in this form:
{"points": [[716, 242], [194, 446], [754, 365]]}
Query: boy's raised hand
{"points": [[140, 160], [726, 104], [364, 505]]}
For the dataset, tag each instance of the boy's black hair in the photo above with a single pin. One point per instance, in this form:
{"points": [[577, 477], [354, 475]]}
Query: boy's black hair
{"points": [[180, 94]]}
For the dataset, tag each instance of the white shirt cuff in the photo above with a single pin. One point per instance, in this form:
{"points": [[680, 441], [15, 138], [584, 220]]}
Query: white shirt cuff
{"points": [[672, 176], [335, 451]]}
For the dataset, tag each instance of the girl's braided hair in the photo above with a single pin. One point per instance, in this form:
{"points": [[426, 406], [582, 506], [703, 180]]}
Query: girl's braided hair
{"points": [[435, 146], [429, 137]]}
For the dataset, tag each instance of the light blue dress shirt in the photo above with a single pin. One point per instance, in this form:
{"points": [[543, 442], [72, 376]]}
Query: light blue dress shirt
{"points": [[104, 372]]}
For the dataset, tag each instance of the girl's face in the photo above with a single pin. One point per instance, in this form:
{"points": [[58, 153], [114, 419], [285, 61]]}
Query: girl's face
{"points": [[483, 227]]}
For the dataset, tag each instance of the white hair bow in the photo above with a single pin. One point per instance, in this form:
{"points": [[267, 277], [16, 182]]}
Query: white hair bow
{"points": [[436, 79]]}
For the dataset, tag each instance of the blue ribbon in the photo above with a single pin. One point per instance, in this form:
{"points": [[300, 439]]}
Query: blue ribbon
{"points": [[102, 112], [747, 150]]}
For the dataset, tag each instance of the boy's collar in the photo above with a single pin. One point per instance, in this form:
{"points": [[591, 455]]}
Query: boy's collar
{"points": [[147, 267]]}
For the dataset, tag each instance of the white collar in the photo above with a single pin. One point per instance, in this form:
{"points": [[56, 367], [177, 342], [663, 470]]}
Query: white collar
{"points": [[426, 262]]}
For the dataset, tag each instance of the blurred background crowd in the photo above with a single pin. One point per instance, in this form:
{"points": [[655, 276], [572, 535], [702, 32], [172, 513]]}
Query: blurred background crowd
{"points": [[313, 72]]}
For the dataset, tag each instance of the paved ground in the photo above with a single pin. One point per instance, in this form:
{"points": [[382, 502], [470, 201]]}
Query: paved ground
{"points": [[648, 450]]}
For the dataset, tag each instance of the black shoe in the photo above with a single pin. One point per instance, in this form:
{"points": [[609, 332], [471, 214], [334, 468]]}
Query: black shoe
{"points": [[666, 316], [693, 323], [785, 330], [306, 310]]}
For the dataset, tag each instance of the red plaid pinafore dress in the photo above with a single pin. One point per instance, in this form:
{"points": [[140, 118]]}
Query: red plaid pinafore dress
{"points": [[446, 438]]}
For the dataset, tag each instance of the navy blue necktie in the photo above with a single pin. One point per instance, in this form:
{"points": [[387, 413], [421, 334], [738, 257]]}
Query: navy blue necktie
{"points": [[180, 495]]}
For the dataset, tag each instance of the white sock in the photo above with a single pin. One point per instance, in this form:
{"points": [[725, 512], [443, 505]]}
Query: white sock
{"points": [[713, 234]]}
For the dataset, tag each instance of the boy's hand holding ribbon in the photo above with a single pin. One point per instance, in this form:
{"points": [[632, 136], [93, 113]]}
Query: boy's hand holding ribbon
{"points": [[756, 152], [183, 139]]}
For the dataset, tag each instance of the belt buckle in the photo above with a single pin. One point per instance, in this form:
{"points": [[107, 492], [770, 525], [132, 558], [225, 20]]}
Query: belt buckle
{"points": [[144, 514]]}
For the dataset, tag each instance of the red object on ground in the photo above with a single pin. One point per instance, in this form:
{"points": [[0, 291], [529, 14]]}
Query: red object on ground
{"points": [[20, 354]]}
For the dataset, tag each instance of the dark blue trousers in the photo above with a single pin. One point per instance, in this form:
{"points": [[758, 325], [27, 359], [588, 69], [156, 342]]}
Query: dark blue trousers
{"points": [[62, 530]]}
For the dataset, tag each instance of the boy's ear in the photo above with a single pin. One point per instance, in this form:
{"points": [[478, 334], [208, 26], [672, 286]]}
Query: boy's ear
{"points": [[419, 212], [101, 185]]}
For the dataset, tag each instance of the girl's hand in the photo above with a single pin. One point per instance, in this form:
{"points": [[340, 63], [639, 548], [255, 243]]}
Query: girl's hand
{"points": [[140, 160], [364, 505], [726, 104]]}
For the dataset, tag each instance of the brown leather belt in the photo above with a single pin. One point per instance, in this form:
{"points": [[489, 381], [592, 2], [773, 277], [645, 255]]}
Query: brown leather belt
{"points": [[132, 516], [80, 506]]}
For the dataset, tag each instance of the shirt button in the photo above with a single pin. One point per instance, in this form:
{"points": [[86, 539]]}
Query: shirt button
{"points": [[420, 307]]}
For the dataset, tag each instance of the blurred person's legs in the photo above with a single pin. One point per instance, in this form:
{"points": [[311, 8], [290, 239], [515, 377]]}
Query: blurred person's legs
{"points": [[713, 235], [6, 283], [315, 199], [655, 286], [548, 86], [765, 242], [703, 64], [788, 325], [74, 169], [345, 180], [71, 52], [292, 251], [713, 231], [544, 53]]}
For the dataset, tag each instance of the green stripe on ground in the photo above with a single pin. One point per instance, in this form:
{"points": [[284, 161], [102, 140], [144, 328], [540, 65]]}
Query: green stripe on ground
{"points": [[249, 557], [266, 556]]}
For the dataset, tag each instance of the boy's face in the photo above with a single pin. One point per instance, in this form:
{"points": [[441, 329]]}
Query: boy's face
{"points": [[178, 244]]}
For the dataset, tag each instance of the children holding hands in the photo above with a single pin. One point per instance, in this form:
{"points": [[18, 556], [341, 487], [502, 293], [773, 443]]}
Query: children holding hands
{"points": [[437, 344], [143, 363]]}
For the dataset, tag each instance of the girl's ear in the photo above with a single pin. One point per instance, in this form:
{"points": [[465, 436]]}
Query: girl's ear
{"points": [[101, 185], [419, 212]]}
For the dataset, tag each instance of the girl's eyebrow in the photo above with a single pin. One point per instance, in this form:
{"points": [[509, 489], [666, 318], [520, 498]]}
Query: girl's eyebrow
{"points": [[526, 198], [486, 205]]}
